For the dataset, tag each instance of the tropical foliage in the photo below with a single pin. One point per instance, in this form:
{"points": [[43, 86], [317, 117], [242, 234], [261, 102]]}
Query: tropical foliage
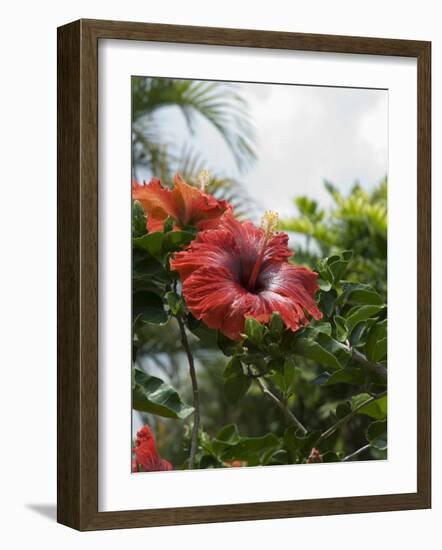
{"points": [[275, 391], [247, 352]]}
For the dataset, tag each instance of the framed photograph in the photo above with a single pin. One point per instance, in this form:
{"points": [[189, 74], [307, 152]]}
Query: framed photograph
{"points": [[243, 274]]}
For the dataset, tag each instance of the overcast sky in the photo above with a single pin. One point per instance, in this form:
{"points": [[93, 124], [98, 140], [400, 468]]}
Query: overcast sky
{"points": [[305, 134]]}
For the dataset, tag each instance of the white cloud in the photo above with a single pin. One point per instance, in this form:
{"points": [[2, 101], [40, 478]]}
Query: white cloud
{"points": [[305, 134]]}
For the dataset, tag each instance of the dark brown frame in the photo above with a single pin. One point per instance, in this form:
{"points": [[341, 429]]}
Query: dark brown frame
{"points": [[78, 269]]}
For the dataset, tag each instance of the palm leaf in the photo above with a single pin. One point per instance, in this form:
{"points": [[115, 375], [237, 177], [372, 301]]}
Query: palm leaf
{"points": [[217, 102]]}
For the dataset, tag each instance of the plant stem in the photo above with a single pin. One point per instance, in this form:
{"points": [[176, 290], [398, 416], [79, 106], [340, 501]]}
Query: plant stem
{"points": [[377, 368], [356, 453], [345, 419], [265, 390], [196, 402]]}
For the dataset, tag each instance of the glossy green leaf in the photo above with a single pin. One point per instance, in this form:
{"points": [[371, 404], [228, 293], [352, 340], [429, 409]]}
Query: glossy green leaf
{"points": [[152, 243], [147, 273], [175, 302], [150, 307], [377, 435], [330, 456], [249, 447], [341, 328], [254, 331], [236, 383], [376, 345], [364, 296], [276, 325], [138, 219], [359, 314], [150, 394], [207, 336], [226, 437], [159, 245], [306, 347], [343, 409], [348, 375], [376, 409]]}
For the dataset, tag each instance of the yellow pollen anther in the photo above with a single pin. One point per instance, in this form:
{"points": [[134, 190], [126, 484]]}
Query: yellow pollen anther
{"points": [[203, 179], [269, 222]]}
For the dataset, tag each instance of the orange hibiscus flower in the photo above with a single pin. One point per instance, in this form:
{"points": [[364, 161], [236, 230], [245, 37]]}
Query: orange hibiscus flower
{"points": [[185, 204]]}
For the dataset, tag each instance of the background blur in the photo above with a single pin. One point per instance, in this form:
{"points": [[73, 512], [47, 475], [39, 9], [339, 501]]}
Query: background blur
{"points": [[316, 155]]}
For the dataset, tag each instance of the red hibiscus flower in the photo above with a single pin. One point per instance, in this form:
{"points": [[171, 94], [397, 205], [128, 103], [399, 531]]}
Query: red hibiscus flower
{"points": [[146, 457], [187, 205], [239, 270]]}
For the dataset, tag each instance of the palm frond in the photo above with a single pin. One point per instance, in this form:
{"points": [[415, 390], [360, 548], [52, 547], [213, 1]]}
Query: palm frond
{"points": [[217, 102]]}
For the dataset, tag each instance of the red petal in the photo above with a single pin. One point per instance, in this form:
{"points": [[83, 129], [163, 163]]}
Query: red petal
{"points": [[158, 203], [196, 207], [212, 295], [146, 454], [214, 248], [291, 291]]}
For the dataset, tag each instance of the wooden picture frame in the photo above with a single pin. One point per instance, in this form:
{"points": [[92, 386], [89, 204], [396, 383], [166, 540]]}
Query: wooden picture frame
{"points": [[78, 273]]}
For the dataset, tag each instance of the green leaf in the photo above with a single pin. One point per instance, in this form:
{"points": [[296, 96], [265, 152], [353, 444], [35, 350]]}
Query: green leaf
{"points": [[324, 285], [276, 325], [152, 243], [175, 302], [299, 446], [359, 314], [341, 328], [249, 448], [138, 219], [376, 409], [311, 349], [254, 331], [207, 336], [376, 345], [364, 295], [285, 375], [327, 301], [152, 395], [176, 240], [348, 375], [318, 327], [159, 245], [337, 269], [377, 435], [148, 273], [226, 437], [150, 306], [228, 434], [343, 409], [236, 383], [330, 456], [227, 346]]}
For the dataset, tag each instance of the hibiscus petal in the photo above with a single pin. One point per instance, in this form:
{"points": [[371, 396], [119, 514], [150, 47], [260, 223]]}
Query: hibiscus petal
{"points": [[196, 207], [146, 455], [213, 296], [298, 285], [158, 203], [215, 248]]}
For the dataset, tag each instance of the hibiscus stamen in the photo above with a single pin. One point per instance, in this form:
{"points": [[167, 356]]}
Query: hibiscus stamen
{"points": [[203, 179], [269, 223]]}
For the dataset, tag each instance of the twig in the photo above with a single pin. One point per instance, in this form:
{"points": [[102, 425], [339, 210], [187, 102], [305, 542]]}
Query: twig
{"points": [[265, 390], [376, 368], [196, 402], [345, 419], [356, 453]]}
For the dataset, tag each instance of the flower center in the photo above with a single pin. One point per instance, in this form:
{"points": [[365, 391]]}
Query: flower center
{"points": [[268, 224]]}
